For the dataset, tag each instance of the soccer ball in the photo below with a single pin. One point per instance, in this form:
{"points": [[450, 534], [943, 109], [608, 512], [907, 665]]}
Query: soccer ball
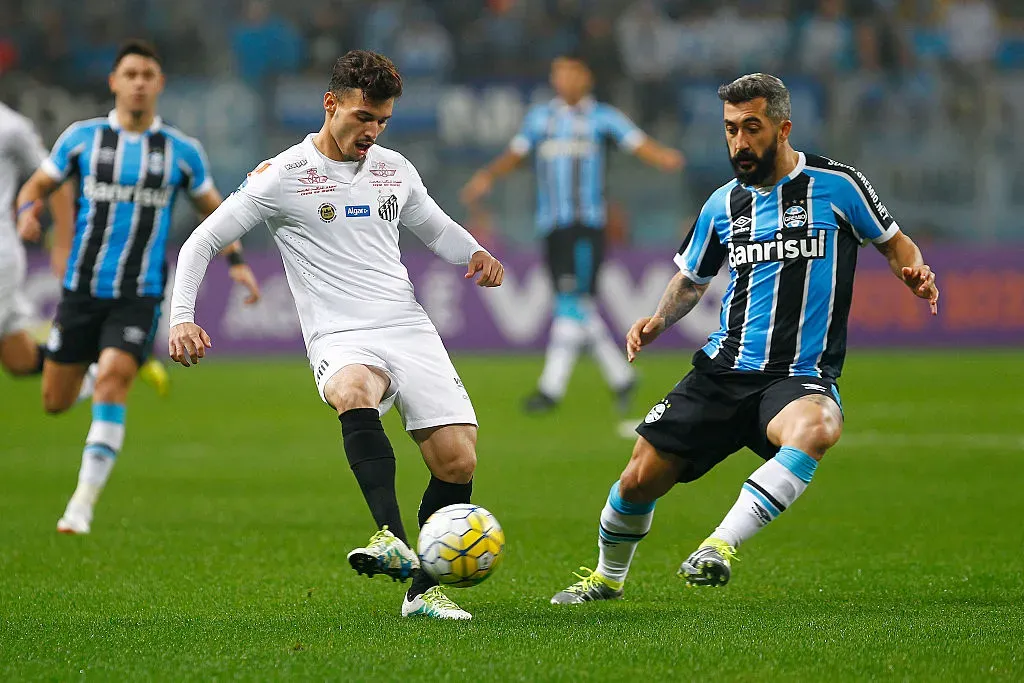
{"points": [[460, 545]]}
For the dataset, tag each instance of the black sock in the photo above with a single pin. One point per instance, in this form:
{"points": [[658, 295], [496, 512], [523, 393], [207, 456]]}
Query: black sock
{"points": [[40, 357], [373, 462], [439, 494]]}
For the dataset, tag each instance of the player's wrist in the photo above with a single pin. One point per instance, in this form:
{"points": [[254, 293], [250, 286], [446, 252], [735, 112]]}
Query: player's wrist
{"points": [[235, 258]]}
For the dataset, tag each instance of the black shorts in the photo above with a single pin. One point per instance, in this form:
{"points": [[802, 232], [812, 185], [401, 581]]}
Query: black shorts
{"points": [[574, 257], [85, 325], [715, 411]]}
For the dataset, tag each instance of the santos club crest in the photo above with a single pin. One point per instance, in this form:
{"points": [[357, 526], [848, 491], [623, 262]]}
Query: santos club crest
{"points": [[388, 207]]}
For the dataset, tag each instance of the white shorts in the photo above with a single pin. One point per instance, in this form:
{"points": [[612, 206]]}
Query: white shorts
{"points": [[424, 384], [15, 311]]}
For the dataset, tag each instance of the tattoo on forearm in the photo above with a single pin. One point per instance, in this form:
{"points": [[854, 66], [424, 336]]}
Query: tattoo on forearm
{"points": [[679, 299]]}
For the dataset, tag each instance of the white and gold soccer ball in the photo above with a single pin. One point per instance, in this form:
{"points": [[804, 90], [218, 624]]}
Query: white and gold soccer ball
{"points": [[461, 545]]}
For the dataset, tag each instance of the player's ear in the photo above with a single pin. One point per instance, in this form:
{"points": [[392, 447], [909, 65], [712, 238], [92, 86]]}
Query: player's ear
{"points": [[784, 130], [330, 102]]}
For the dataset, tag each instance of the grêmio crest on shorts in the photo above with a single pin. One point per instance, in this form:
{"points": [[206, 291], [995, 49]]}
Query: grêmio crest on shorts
{"points": [[791, 251]]}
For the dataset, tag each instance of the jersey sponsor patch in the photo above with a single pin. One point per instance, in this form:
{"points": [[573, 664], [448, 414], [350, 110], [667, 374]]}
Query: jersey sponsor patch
{"points": [[327, 212], [361, 211], [813, 246]]}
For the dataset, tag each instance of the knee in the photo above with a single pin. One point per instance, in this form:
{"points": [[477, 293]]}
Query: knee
{"points": [[643, 481], [112, 386], [55, 402], [459, 467], [350, 398], [818, 434]]}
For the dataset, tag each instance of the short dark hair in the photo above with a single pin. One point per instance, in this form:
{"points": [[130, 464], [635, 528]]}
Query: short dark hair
{"points": [[137, 46], [752, 86], [374, 74]]}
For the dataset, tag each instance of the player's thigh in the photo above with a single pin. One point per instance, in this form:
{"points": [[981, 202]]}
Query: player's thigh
{"points": [[355, 385], [430, 392], [61, 384], [574, 256], [77, 327], [700, 422], [803, 412], [130, 326], [19, 353], [449, 451]]}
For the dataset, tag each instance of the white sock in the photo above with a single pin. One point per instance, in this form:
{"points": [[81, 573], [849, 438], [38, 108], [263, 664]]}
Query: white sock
{"points": [[766, 494], [88, 384], [610, 357], [103, 443], [568, 336], [623, 526]]}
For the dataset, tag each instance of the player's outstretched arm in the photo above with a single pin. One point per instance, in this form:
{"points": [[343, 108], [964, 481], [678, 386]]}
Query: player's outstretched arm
{"points": [[238, 270], [483, 180], [680, 297], [908, 265], [660, 157], [232, 219]]}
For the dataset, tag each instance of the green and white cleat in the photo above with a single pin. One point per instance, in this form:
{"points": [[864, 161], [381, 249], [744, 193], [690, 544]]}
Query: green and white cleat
{"points": [[590, 587], [435, 604], [385, 554], [709, 565]]}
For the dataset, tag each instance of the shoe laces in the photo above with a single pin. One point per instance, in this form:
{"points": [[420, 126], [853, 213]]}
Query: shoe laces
{"points": [[382, 538], [727, 552], [586, 582], [436, 598]]}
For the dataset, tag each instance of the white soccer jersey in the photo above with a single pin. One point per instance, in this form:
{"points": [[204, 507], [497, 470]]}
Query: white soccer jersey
{"points": [[21, 152], [336, 226]]}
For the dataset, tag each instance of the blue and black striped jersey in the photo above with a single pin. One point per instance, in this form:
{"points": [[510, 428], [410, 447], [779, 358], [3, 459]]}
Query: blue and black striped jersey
{"points": [[127, 186], [569, 142], [792, 252]]}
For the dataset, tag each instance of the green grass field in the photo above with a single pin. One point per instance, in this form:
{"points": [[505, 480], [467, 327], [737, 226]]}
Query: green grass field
{"points": [[218, 550]]}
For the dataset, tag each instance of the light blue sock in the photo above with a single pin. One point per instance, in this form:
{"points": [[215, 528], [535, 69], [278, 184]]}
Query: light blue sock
{"points": [[623, 526], [766, 494], [103, 443]]}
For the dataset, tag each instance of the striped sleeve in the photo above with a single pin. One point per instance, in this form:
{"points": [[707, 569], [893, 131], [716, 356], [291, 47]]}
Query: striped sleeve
{"points": [[71, 143], [702, 253], [858, 201], [195, 167], [620, 128], [531, 132]]}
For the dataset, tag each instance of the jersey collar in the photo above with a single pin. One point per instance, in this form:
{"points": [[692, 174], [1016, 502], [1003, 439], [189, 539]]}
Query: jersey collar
{"points": [[765, 190], [584, 105], [116, 125]]}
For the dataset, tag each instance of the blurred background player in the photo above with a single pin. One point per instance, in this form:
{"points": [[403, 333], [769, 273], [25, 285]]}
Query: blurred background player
{"points": [[789, 226], [130, 166], [21, 152], [334, 203], [568, 136]]}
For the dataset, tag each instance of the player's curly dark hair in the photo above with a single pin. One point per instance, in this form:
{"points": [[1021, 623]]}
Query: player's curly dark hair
{"points": [[136, 46], [374, 74], [752, 86]]}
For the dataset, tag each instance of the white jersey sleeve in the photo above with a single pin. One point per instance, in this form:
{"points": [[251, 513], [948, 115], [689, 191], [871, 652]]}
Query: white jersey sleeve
{"points": [[433, 226], [257, 200]]}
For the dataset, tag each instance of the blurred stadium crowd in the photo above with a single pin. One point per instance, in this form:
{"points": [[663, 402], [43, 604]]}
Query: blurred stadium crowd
{"points": [[920, 93]]}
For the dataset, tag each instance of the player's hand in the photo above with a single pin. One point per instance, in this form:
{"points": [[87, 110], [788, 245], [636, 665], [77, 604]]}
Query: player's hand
{"points": [[59, 261], [478, 186], [671, 160], [188, 342], [643, 332], [921, 281], [29, 228], [490, 269], [243, 275]]}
